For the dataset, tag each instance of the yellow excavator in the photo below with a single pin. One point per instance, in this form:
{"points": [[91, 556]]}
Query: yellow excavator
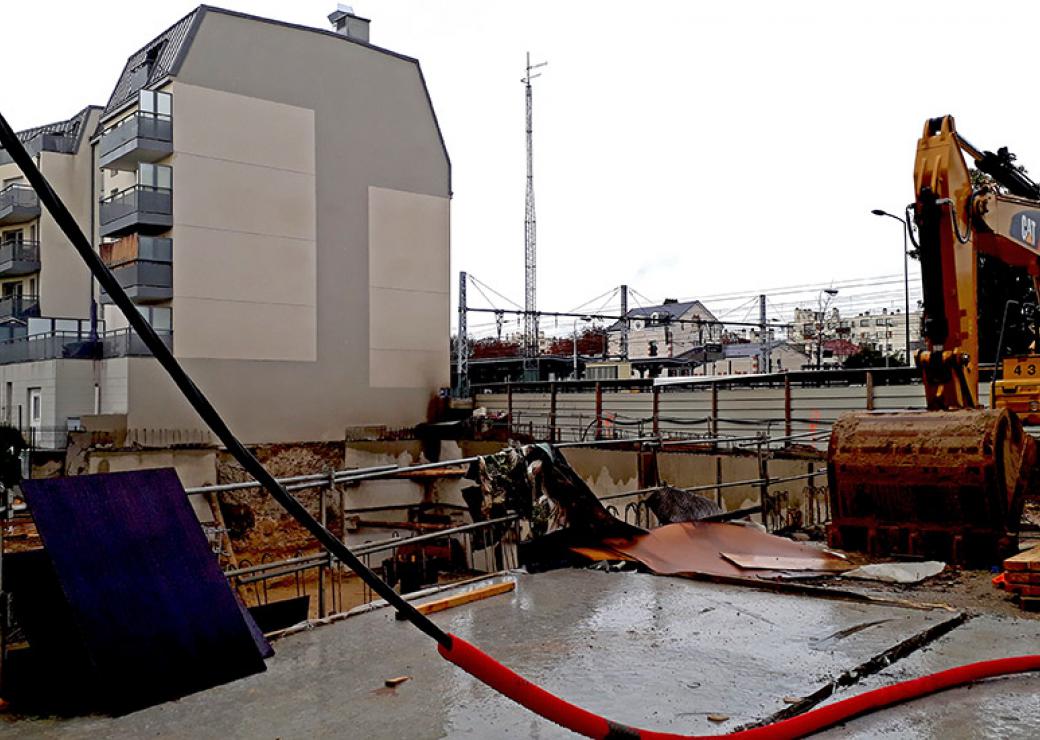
{"points": [[950, 482]]}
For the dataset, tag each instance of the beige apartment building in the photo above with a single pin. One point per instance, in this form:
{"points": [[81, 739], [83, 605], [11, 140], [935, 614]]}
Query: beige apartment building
{"points": [[275, 198]]}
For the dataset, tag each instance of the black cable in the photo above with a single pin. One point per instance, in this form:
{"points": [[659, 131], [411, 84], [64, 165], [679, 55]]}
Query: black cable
{"points": [[9, 141]]}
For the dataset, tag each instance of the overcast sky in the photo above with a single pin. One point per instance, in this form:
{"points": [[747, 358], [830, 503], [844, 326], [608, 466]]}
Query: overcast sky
{"points": [[687, 149]]}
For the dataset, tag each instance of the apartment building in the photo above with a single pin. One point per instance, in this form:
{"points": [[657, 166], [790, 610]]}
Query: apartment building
{"points": [[275, 198], [45, 289], [885, 331]]}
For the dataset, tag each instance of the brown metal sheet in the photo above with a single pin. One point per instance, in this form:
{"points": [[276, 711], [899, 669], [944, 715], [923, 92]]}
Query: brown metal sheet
{"points": [[786, 562], [697, 547]]}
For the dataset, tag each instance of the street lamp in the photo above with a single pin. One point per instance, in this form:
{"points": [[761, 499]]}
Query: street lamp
{"points": [[906, 275], [830, 292], [574, 375]]}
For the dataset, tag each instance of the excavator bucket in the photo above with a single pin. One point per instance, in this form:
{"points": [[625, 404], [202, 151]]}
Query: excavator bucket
{"points": [[940, 484]]}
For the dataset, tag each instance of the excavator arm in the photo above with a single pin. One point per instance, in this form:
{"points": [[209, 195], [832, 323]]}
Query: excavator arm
{"points": [[948, 482], [956, 223]]}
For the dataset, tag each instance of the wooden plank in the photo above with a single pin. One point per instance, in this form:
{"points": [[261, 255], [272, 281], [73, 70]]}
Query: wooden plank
{"points": [[466, 597], [1028, 560], [780, 562]]}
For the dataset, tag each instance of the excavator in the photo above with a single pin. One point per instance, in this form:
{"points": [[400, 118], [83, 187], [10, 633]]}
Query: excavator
{"points": [[950, 481]]}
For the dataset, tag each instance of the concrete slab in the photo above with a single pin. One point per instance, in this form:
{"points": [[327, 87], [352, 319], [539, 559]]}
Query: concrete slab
{"points": [[661, 653], [999, 708]]}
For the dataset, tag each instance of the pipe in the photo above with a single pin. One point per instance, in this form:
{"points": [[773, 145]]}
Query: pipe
{"points": [[485, 668]]}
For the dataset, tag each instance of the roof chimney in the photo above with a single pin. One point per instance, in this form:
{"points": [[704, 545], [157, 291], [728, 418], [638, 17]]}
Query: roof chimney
{"points": [[350, 25], [670, 301]]}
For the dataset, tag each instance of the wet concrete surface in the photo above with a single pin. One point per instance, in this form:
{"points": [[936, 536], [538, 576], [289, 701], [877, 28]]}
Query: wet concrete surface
{"points": [[656, 652], [998, 708]]}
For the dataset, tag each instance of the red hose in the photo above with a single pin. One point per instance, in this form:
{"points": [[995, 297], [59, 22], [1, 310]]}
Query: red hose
{"points": [[541, 702]]}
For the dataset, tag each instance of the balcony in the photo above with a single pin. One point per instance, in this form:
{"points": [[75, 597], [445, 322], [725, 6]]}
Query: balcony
{"points": [[139, 208], [19, 307], [141, 137], [19, 258], [143, 265], [53, 345], [127, 343], [18, 204]]}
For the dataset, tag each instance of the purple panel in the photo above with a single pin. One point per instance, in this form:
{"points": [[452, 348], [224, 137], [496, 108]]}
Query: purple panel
{"points": [[153, 610]]}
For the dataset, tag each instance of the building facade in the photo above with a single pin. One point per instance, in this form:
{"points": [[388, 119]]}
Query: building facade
{"points": [[275, 199], [664, 331]]}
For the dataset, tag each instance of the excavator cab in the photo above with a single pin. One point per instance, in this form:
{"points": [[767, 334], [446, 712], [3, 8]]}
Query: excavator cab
{"points": [[1016, 383]]}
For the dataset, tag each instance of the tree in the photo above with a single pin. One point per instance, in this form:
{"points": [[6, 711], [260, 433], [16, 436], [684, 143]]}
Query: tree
{"points": [[592, 342]]}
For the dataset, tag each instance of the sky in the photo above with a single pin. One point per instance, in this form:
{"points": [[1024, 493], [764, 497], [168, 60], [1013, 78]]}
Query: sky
{"points": [[690, 150]]}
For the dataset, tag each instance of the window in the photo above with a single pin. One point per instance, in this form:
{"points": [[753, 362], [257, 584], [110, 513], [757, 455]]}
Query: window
{"points": [[155, 175], [12, 237], [155, 103], [864, 322], [160, 317]]}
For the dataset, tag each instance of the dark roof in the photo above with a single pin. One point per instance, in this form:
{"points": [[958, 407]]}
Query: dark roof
{"points": [[675, 310], [154, 61], [167, 51], [60, 136]]}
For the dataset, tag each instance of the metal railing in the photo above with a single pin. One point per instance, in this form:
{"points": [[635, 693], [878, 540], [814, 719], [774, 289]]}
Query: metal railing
{"points": [[136, 199], [486, 547], [17, 195], [141, 125], [19, 305], [127, 343], [20, 251]]}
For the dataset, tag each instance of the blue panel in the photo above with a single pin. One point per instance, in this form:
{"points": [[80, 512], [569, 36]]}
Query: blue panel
{"points": [[153, 610]]}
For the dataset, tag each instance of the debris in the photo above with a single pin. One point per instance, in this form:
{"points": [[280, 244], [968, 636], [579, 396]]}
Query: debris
{"points": [[392, 683], [791, 700], [718, 717], [697, 548], [780, 562], [671, 505], [475, 594], [1022, 576], [897, 572], [1027, 560]]}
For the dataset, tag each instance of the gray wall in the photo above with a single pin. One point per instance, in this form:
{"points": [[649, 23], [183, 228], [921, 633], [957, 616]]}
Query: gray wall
{"points": [[373, 129]]}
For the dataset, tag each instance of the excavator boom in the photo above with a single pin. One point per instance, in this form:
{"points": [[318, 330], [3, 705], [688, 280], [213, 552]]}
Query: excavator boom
{"points": [[947, 482]]}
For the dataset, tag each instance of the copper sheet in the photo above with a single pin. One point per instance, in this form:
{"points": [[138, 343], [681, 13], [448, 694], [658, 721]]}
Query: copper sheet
{"points": [[697, 547], [602, 553], [786, 562]]}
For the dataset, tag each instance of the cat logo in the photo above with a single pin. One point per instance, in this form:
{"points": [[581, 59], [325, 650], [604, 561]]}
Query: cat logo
{"points": [[1023, 227]]}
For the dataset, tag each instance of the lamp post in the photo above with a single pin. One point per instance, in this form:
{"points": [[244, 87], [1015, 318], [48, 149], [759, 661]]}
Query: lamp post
{"points": [[830, 292], [574, 375], [906, 276]]}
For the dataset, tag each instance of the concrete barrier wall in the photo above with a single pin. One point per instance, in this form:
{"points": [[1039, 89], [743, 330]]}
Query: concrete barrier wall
{"points": [[741, 411]]}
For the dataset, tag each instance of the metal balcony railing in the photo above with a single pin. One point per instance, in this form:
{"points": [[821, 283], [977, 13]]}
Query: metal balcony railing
{"points": [[19, 258], [19, 306], [145, 269], [138, 206], [18, 203], [127, 343], [141, 137]]}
